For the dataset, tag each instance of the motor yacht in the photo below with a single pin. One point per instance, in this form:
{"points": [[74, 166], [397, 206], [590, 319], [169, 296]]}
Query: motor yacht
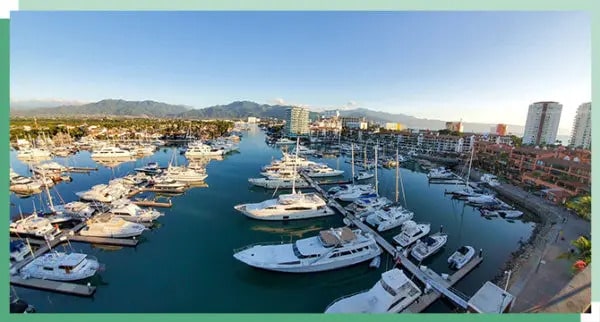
{"points": [[427, 246], [389, 217], [32, 225], [288, 207], [331, 249], [129, 211], [411, 232], [461, 257], [391, 294], [111, 226], [59, 266], [112, 152]]}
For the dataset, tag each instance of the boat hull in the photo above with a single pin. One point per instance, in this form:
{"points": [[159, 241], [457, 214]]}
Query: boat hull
{"points": [[289, 216]]}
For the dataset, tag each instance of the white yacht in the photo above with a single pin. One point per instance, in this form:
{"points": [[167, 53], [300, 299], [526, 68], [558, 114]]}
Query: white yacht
{"points": [[288, 207], [323, 171], [351, 193], [389, 217], [150, 168], [129, 211], [504, 213], [201, 149], [411, 232], [367, 204], [183, 174], [331, 249], [428, 246], [167, 183], [18, 250], [284, 141], [440, 173], [461, 257], [61, 267], [286, 183], [33, 153], [482, 199], [302, 150], [364, 175], [100, 193], [392, 294], [78, 209], [25, 185], [108, 225], [112, 152], [32, 225]]}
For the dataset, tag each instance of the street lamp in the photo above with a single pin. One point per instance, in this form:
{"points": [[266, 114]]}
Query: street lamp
{"points": [[507, 279]]}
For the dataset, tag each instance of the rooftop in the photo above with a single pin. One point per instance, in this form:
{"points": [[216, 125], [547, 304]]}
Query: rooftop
{"points": [[490, 299]]}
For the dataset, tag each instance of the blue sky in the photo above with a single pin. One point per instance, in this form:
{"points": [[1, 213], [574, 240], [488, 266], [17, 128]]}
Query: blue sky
{"points": [[478, 66]]}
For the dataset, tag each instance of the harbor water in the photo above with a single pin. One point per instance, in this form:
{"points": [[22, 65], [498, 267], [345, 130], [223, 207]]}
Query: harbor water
{"points": [[185, 264]]}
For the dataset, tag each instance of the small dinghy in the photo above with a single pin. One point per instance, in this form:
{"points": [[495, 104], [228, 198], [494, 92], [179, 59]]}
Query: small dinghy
{"points": [[375, 262], [461, 257], [363, 175]]}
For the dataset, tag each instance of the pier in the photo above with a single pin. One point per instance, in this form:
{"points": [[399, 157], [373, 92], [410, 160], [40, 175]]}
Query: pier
{"points": [[439, 285], [54, 286]]}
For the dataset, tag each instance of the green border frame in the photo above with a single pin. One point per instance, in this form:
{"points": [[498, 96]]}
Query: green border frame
{"points": [[538, 5]]}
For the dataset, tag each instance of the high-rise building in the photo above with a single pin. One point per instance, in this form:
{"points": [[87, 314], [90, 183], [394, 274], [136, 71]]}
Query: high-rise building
{"points": [[542, 122], [297, 122], [454, 126], [501, 129], [581, 135]]}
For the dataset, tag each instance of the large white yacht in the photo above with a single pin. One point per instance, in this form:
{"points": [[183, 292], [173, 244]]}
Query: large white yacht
{"points": [[108, 225], [391, 294], [32, 225], [77, 209], [428, 246], [288, 207], [200, 149], [350, 193], [183, 174], [389, 217], [112, 152], [129, 211], [411, 232], [33, 153], [331, 249], [103, 193], [61, 267], [321, 171], [279, 183]]}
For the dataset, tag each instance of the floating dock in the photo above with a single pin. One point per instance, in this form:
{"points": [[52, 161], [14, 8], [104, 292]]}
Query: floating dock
{"points": [[80, 169], [152, 203], [439, 285], [54, 286]]}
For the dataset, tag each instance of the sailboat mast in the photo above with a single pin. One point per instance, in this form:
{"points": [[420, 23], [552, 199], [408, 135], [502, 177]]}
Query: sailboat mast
{"points": [[470, 163], [295, 171], [352, 148], [376, 181], [397, 174]]}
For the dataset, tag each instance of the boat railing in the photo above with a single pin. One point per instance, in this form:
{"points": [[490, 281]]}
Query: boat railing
{"points": [[345, 297], [272, 243]]}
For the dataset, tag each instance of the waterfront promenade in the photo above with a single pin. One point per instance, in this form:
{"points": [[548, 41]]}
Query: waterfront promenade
{"points": [[538, 274]]}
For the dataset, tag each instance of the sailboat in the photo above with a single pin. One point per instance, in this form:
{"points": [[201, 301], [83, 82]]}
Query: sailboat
{"points": [[391, 216], [296, 205], [468, 190]]}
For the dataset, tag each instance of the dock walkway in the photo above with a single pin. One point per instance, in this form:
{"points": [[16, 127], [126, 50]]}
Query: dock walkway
{"points": [[440, 286]]}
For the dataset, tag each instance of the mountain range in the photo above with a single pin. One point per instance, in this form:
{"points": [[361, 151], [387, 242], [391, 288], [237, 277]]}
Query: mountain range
{"points": [[234, 110]]}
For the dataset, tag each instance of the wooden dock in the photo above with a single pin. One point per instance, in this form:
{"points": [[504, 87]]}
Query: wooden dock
{"points": [[439, 285], [54, 286]]}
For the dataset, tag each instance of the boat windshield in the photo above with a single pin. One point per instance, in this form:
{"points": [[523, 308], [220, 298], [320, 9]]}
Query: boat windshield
{"points": [[387, 288]]}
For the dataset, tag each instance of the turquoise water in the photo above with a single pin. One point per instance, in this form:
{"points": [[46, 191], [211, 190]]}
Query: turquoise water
{"points": [[186, 263]]}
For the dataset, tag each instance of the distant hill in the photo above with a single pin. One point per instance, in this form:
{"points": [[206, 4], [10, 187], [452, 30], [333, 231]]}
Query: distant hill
{"points": [[241, 109], [107, 107], [234, 110]]}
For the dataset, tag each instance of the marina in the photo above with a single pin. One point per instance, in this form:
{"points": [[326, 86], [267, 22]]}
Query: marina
{"points": [[221, 180]]}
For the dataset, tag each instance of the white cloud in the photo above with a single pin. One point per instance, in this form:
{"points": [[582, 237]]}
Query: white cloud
{"points": [[279, 101]]}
